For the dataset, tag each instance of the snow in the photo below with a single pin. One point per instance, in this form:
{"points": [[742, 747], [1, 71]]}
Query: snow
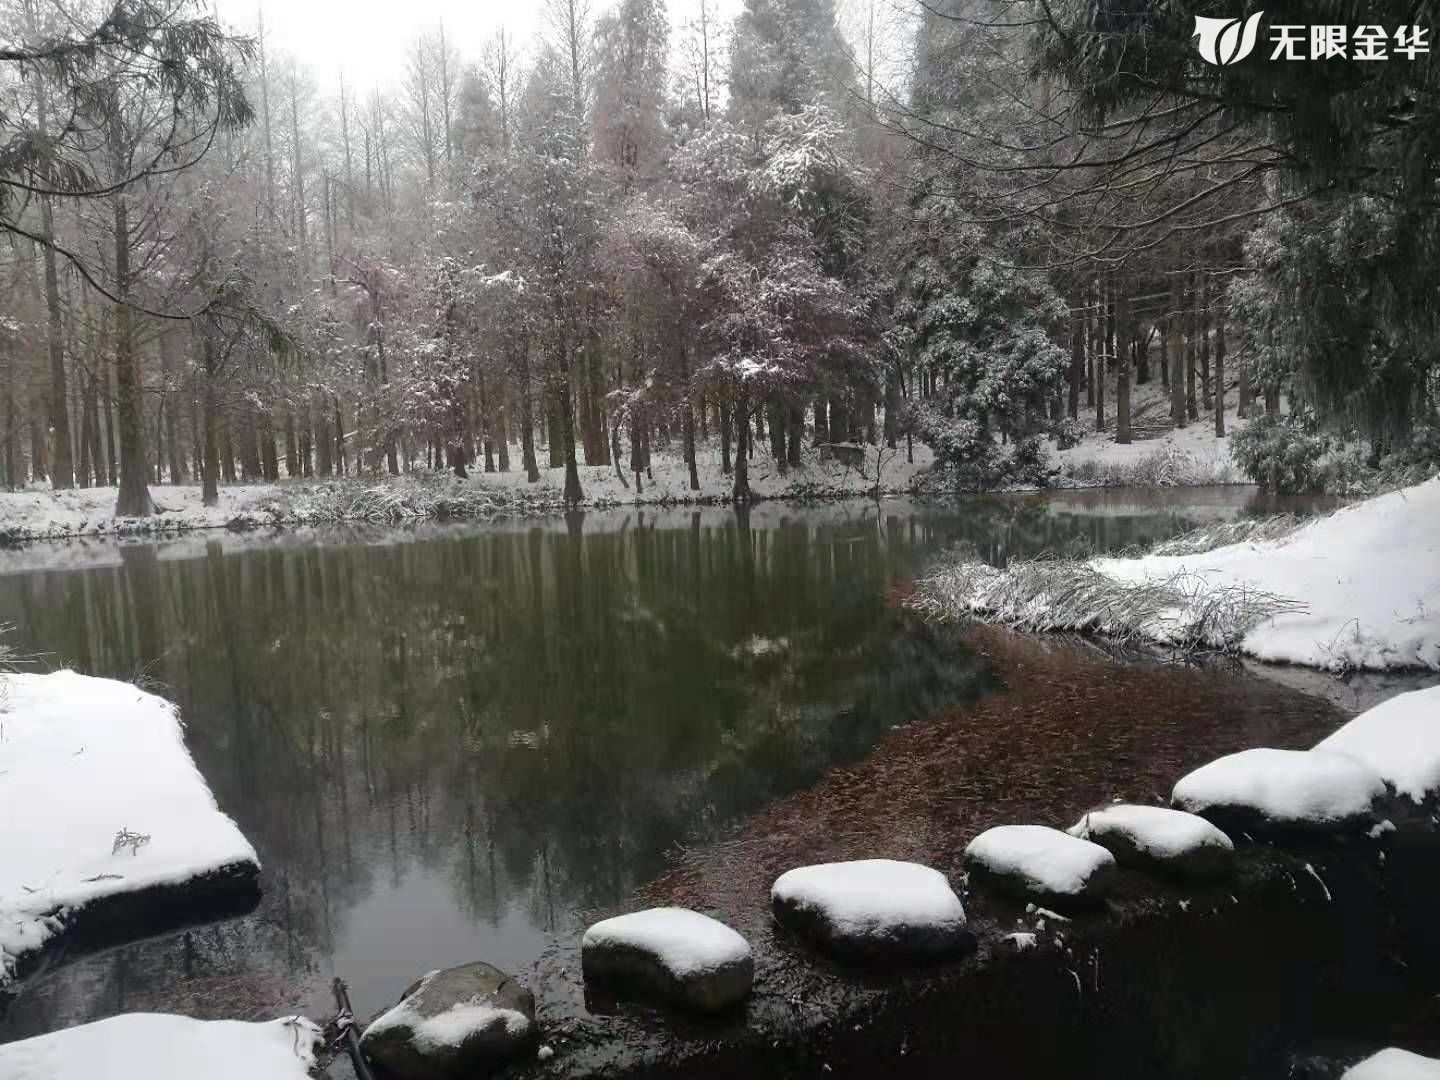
{"points": [[1289, 787], [1399, 739], [1393, 1063], [685, 942], [1154, 830], [80, 760], [162, 1047], [1050, 860], [1367, 577], [39, 513], [869, 896], [452, 1027]]}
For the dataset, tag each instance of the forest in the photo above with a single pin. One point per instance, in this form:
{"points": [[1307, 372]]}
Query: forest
{"points": [[977, 225]]}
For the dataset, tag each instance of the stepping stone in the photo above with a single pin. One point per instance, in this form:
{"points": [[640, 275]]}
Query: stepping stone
{"points": [[672, 955], [1154, 838], [1034, 862], [1282, 789], [1393, 1063], [1399, 739], [876, 909], [465, 1021]]}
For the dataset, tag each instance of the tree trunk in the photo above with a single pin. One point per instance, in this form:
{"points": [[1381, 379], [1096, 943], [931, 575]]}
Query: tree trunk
{"points": [[134, 497], [1177, 350], [1077, 358], [724, 437], [1206, 400], [1192, 412], [527, 418], [1126, 334], [1220, 375], [741, 491], [1245, 392], [62, 468]]}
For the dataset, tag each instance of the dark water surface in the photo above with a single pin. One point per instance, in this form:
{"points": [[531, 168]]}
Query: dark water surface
{"points": [[449, 744]]}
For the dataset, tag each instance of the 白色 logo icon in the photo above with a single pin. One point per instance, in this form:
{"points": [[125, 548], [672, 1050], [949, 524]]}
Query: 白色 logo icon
{"points": [[1226, 41]]}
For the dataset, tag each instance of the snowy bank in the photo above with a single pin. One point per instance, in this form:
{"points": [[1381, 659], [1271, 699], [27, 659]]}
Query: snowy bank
{"points": [[41, 514], [1359, 589], [100, 800], [1393, 1063], [163, 1047]]}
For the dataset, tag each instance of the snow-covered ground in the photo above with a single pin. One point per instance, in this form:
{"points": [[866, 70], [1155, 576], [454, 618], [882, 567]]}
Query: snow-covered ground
{"points": [[39, 513], [1393, 1063], [1357, 590], [98, 797], [156, 1046], [1366, 580], [1159, 453]]}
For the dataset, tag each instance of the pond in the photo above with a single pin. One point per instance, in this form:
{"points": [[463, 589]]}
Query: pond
{"points": [[451, 743]]}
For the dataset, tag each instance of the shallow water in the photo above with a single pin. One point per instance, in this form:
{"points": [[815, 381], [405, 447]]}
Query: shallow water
{"points": [[451, 743]]}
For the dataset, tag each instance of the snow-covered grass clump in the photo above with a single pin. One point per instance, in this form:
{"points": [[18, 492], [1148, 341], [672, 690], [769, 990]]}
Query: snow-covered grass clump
{"points": [[1290, 788], [157, 1046], [1359, 589], [1393, 1063], [1399, 739], [1041, 862], [872, 905], [99, 797]]}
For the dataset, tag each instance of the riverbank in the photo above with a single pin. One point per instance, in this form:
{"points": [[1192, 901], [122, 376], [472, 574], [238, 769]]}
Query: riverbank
{"points": [[1164, 459], [1358, 590], [1245, 978]]}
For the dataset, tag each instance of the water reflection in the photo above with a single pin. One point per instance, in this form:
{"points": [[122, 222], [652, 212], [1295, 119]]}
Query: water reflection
{"points": [[449, 745]]}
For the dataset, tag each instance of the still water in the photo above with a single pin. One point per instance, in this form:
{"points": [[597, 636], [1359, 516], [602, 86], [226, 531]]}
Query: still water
{"points": [[449, 744]]}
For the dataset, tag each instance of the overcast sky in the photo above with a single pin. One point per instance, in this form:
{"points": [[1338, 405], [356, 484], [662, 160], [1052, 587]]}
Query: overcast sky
{"points": [[367, 38]]}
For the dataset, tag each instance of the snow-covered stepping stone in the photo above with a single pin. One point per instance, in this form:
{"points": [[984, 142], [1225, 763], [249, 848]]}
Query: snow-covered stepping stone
{"points": [[1035, 862], [1154, 838], [1394, 1064], [463, 1021], [873, 908], [671, 954], [162, 1047], [1287, 789], [1399, 739], [114, 813]]}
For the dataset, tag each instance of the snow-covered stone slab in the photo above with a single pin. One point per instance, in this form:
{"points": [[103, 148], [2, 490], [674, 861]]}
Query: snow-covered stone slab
{"points": [[1036, 862], [875, 908], [464, 1021], [158, 1046], [1399, 739], [1156, 838], [1393, 1063], [1292, 789], [99, 800], [673, 954]]}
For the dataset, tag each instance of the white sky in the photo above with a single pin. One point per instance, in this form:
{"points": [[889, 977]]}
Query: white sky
{"points": [[368, 38]]}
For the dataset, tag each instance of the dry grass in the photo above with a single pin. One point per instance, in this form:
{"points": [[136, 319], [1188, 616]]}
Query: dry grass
{"points": [[1048, 594], [1167, 466], [398, 501], [1243, 531]]}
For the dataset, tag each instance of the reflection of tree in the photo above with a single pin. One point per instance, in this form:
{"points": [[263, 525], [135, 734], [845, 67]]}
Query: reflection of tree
{"points": [[536, 716]]}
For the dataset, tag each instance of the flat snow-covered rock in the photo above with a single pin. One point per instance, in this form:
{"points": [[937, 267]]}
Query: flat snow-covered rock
{"points": [[158, 1046], [1155, 838], [1039, 863], [876, 908], [83, 759], [1399, 739], [672, 954], [464, 1021], [1394, 1064], [1293, 789]]}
